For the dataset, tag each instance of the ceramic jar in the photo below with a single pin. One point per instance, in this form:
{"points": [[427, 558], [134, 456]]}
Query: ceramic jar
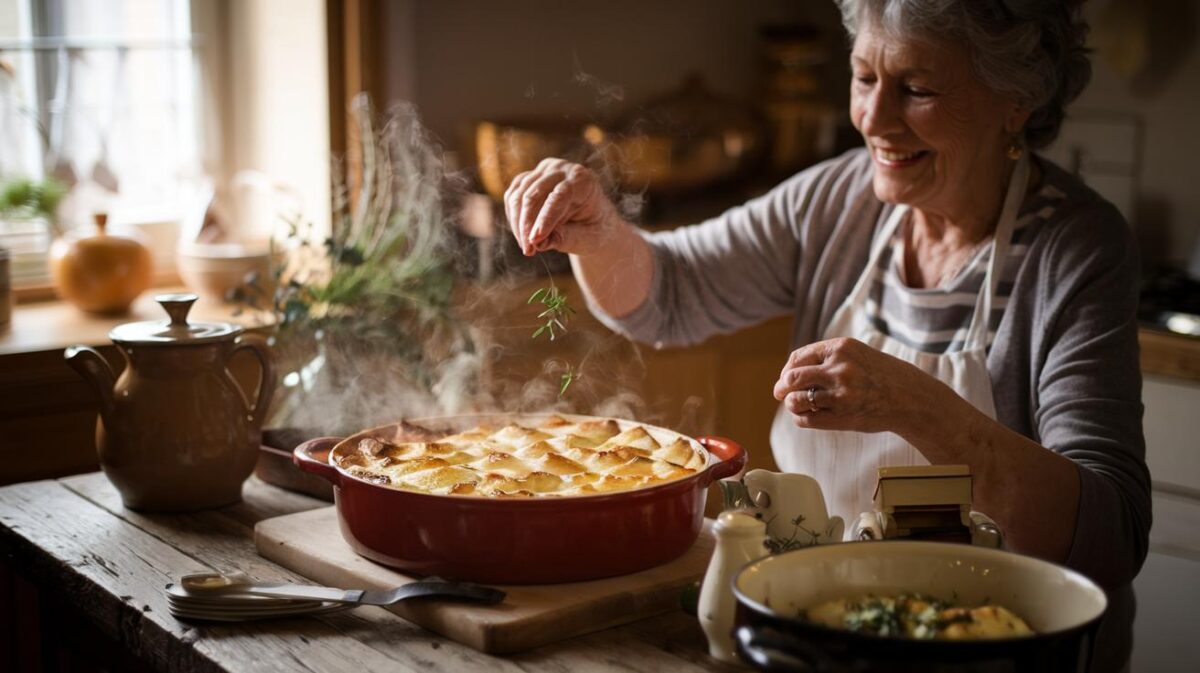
{"points": [[741, 538], [101, 273], [176, 433]]}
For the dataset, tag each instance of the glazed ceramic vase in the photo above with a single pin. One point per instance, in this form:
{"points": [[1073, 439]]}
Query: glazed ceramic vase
{"points": [[100, 272]]}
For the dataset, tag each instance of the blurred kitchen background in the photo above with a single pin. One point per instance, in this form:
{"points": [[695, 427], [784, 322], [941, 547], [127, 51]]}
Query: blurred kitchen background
{"points": [[147, 108], [195, 124]]}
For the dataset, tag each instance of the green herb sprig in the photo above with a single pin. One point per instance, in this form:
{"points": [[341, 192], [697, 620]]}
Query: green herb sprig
{"points": [[568, 377], [557, 313]]}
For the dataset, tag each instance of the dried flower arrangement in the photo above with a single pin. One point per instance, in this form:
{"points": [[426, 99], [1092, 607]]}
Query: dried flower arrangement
{"points": [[365, 321]]}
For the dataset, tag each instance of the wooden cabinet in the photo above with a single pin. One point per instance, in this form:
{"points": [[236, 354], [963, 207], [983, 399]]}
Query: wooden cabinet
{"points": [[47, 416]]}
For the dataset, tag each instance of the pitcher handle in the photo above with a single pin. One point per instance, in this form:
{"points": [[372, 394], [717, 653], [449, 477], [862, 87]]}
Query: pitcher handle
{"points": [[266, 380]]}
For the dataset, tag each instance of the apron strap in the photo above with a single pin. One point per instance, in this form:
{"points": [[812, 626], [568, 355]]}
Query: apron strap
{"points": [[1001, 242], [883, 238]]}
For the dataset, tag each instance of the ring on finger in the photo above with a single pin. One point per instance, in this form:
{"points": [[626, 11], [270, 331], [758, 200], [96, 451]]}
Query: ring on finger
{"points": [[812, 399]]}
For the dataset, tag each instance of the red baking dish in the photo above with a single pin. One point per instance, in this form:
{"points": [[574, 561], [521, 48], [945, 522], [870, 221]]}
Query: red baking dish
{"points": [[518, 540]]}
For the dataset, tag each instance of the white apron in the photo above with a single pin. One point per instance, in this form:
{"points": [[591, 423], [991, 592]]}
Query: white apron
{"points": [[846, 463]]}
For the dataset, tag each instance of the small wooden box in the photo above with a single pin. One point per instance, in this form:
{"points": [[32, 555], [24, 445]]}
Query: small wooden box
{"points": [[925, 502]]}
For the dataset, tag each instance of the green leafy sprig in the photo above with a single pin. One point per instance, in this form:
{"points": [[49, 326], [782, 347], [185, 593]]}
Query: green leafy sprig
{"points": [[557, 313], [568, 377]]}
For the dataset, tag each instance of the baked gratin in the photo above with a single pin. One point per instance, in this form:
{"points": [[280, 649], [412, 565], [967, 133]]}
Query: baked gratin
{"points": [[533, 458]]}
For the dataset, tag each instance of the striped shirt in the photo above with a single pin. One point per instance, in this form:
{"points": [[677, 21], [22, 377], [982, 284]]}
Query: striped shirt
{"points": [[936, 320]]}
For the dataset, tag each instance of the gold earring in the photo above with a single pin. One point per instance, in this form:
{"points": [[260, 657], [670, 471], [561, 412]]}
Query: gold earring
{"points": [[1015, 150]]}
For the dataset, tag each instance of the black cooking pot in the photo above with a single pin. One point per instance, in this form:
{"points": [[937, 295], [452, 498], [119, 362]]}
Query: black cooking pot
{"points": [[1063, 608]]}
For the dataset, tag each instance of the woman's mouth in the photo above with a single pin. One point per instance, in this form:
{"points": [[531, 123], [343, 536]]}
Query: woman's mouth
{"points": [[896, 159]]}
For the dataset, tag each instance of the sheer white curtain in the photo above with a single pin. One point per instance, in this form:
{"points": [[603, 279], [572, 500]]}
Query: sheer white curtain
{"points": [[165, 100], [103, 96]]}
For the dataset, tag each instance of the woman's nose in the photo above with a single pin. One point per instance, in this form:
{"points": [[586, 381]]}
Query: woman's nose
{"points": [[880, 113]]}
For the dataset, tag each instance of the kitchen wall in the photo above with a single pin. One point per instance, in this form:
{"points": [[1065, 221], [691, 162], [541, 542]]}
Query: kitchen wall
{"points": [[1147, 65], [267, 68], [476, 59], [466, 60]]}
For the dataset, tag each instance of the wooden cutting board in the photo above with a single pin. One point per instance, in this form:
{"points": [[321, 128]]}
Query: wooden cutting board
{"points": [[311, 544]]}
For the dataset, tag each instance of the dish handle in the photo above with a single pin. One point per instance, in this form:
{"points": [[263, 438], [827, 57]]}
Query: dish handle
{"points": [[773, 650], [732, 455], [313, 456]]}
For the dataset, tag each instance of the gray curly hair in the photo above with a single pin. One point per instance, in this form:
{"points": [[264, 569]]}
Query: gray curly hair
{"points": [[1032, 50]]}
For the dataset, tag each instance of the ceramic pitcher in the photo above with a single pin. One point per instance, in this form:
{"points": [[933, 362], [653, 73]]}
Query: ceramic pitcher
{"points": [[176, 432], [766, 512]]}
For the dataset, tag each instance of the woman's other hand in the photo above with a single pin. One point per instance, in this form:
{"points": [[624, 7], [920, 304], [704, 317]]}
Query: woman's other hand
{"points": [[844, 384], [559, 206]]}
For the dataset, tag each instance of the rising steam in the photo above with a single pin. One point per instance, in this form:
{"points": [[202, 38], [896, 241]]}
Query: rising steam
{"points": [[376, 326]]}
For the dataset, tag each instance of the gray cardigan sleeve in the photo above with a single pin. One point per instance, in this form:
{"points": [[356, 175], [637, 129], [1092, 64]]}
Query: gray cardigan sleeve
{"points": [[1088, 393], [741, 267], [734, 270]]}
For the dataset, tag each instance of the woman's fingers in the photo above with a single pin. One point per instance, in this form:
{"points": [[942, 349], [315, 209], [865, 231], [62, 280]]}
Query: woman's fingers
{"points": [[805, 367], [540, 202], [845, 384], [819, 352], [508, 200], [513, 199], [793, 379], [534, 204], [566, 197], [809, 400]]}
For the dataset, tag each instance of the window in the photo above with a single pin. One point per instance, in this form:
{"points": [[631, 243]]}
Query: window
{"points": [[105, 97]]}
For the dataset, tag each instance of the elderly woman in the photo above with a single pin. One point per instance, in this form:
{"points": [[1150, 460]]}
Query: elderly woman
{"points": [[956, 298]]}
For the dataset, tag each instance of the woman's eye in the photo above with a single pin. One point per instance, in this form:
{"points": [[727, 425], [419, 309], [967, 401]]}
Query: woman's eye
{"points": [[864, 79], [917, 92]]}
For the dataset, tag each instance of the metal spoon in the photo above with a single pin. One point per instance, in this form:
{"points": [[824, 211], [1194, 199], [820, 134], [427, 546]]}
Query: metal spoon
{"points": [[239, 585]]}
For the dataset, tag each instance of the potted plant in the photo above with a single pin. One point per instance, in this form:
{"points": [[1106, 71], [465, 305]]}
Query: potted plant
{"points": [[28, 199], [28, 222]]}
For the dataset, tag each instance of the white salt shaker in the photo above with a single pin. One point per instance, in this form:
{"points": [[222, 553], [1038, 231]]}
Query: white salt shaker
{"points": [[741, 538]]}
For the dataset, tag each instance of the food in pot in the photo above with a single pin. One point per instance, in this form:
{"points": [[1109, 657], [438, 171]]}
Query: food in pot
{"points": [[555, 457], [918, 617]]}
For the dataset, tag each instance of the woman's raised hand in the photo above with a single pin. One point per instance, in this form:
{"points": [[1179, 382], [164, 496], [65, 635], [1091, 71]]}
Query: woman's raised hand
{"points": [[559, 206]]}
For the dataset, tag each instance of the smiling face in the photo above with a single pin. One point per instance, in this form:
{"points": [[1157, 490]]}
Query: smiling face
{"points": [[937, 134]]}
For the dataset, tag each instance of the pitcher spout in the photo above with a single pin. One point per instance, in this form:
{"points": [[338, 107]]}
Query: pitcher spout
{"points": [[95, 370]]}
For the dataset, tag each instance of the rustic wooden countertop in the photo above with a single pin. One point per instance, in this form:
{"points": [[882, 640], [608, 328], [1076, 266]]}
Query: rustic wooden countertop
{"points": [[1169, 354], [98, 566]]}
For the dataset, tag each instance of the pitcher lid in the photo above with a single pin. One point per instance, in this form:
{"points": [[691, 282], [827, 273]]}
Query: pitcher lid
{"points": [[174, 332]]}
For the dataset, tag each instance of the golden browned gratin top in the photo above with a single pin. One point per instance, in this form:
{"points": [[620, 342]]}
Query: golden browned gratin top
{"points": [[918, 617], [553, 457]]}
